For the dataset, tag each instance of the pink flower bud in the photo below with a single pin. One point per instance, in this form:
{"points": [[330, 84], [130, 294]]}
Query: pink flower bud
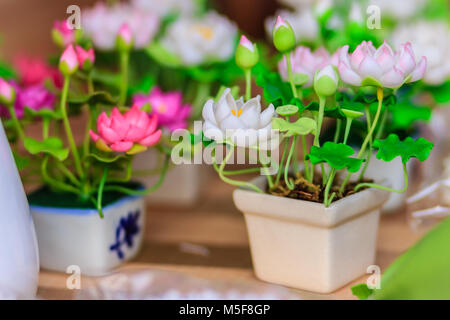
{"points": [[68, 63], [7, 92], [86, 58], [124, 38], [62, 34]]}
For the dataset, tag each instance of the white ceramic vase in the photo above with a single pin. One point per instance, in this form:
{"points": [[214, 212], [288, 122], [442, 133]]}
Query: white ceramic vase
{"points": [[304, 245], [19, 263], [80, 238], [181, 186]]}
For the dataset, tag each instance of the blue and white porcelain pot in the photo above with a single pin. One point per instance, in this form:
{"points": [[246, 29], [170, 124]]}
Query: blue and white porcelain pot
{"points": [[79, 237]]}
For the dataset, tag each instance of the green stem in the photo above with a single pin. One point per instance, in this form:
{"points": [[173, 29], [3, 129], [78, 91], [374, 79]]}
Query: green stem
{"points": [[100, 192], [288, 181], [305, 161], [280, 169], [248, 84], [348, 125], [290, 74], [322, 101], [66, 123], [242, 171], [337, 134], [377, 186], [124, 60], [45, 127], [369, 154], [269, 176], [56, 184], [230, 181], [68, 173], [19, 129], [327, 201]]}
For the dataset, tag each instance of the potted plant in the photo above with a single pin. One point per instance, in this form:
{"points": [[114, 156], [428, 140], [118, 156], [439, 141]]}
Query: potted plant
{"points": [[88, 212], [311, 226]]}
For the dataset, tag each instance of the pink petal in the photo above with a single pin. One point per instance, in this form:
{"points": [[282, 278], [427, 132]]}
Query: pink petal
{"points": [[406, 61], [419, 71], [369, 68], [108, 134], [103, 119], [94, 136], [393, 79], [385, 57], [135, 134], [133, 115], [119, 127], [121, 146], [348, 75], [152, 139], [152, 125], [358, 55]]}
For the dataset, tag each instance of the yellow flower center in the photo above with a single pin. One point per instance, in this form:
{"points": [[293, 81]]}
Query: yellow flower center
{"points": [[205, 32], [237, 114], [162, 108]]}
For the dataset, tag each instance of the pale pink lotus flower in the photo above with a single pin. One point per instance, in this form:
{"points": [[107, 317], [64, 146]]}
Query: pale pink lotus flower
{"points": [[67, 34], [33, 71], [172, 113], [306, 63], [68, 63], [121, 132], [382, 67], [102, 24], [85, 56]]}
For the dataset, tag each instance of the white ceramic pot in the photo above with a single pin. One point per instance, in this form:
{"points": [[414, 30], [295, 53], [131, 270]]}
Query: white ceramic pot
{"points": [[304, 245], [181, 186], [19, 260], [79, 237], [392, 173]]}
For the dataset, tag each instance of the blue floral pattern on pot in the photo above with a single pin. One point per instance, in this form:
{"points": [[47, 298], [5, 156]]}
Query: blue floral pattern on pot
{"points": [[127, 229]]}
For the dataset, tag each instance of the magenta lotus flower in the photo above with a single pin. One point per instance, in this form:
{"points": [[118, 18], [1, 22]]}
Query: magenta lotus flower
{"points": [[33, 71], [305, 64], [169, 107], [382, 67], [35, 97], [86, 58], [131, 132], [62, 34]]}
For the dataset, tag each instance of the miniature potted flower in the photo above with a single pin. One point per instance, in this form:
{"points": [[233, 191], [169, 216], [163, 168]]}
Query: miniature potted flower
{"points": [[312, 225], [88, 212]]}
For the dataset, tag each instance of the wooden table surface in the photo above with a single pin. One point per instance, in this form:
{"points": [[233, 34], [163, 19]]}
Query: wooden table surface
{"points": [[215, 224]]}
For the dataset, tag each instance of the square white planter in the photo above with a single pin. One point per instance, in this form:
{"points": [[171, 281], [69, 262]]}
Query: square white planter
{"points": [[79, 237], [304, 245], [181, 186]]}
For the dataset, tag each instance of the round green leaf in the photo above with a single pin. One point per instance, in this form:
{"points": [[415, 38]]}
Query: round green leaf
{"points": [[287, 110], [392, 147], [52, 146], [337, 155]]}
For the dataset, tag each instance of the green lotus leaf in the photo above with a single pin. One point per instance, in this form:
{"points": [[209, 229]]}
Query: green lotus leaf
{"points": [[351, 113], [21, 162], [162, 55], [43, 113], [302, 126], [300, 79], [52, 146], [405, 114], [441, 93], [337, 155], [392, 147], [276, 91], [102, 97], [287, 110]]}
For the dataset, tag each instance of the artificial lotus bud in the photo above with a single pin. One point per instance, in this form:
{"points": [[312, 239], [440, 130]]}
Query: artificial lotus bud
{"points": [[124, 41], [247, 55], [283, 36], [326, 81], [86, 58], [68, 63], [7, 93]]}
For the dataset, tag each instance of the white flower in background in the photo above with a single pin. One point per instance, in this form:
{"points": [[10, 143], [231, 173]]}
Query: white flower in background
{"points": [[399, 9], [429, 39], [165, 7], [102, 24], [242, 123], [303, 22], [201, 40]]}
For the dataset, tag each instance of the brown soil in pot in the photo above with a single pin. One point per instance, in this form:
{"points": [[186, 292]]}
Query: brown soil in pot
{"points": [[305, 190]]}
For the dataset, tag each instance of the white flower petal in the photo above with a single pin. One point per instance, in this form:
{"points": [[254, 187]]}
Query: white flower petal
{"points": [[266, 116], [208, 112]]}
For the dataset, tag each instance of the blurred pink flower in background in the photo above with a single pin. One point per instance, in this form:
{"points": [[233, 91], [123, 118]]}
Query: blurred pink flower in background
{"points": [[32, 71], [306, 63], [62, 34], [381, 67], [102, 23], [169, 107], [86, 58], [35, 97], [121, 132]]}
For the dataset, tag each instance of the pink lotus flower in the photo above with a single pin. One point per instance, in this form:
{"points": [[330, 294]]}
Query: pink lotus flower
{"points": [[305, 63], [35, 97], [68, 63], [33, 71], [125, 34], [172, 114], [7, 92], [121, 132], [382, 67], [86, 58], [62, 34]]}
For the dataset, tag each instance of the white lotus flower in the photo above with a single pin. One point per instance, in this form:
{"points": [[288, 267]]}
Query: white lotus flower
{"points": [[102, 24], [429, 39], [164, 7], [303, 23], [399, 9], [201, 40], [242, 123]]}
